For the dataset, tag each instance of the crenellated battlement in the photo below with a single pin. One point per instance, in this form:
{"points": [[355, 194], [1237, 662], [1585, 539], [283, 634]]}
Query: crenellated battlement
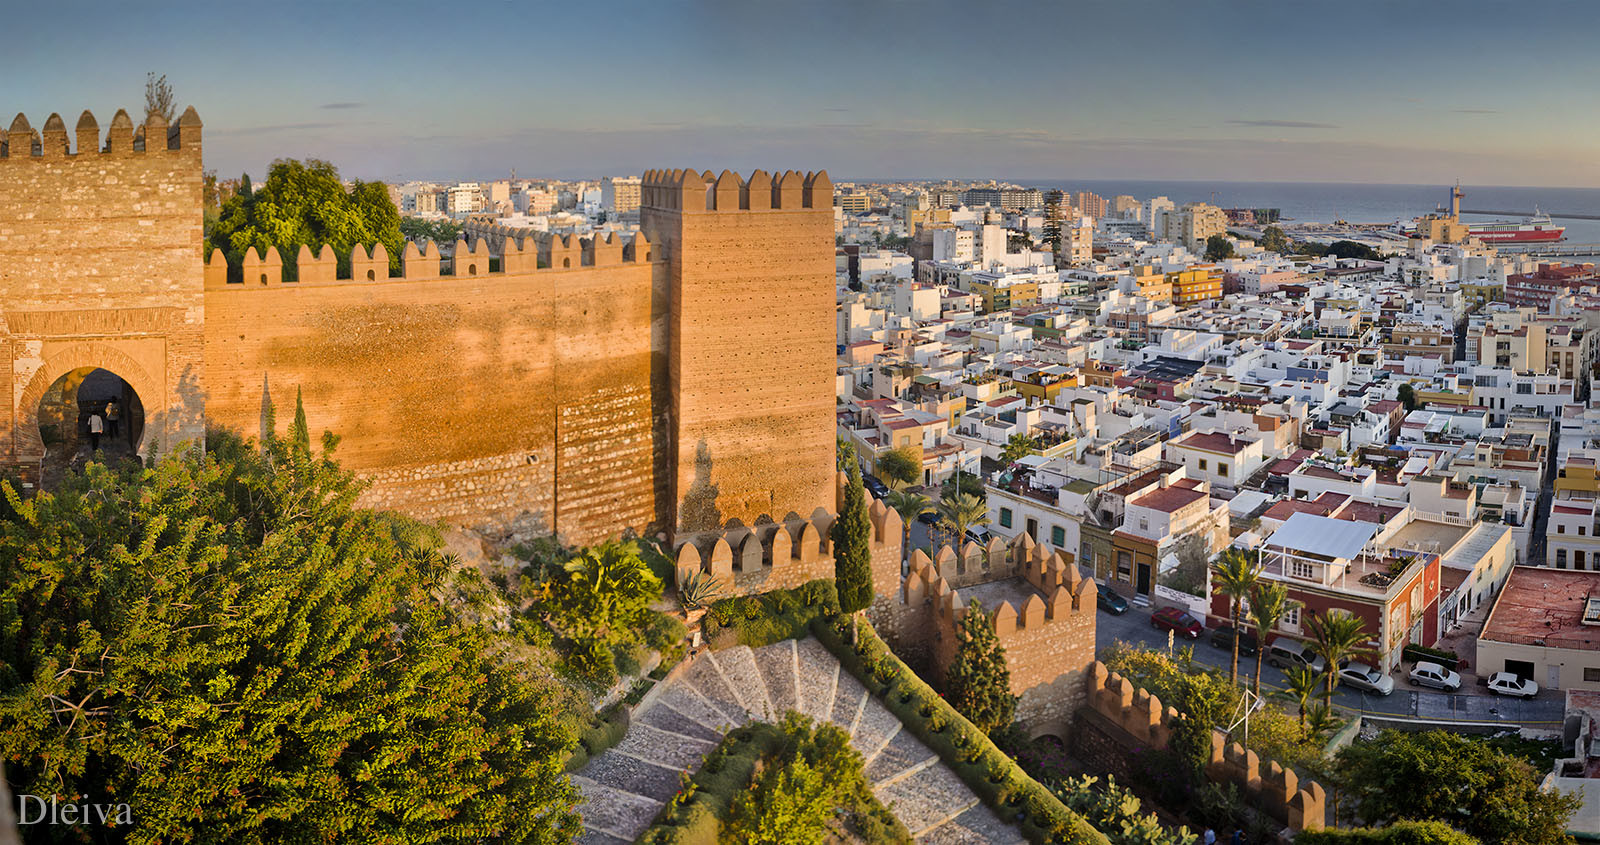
{"points": [[1276, 789], [495, 250], [52, 142], [692, 191], [1058, 590]]}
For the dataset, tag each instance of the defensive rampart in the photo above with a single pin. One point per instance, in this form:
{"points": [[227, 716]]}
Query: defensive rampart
{"points": [[1133, 718]]}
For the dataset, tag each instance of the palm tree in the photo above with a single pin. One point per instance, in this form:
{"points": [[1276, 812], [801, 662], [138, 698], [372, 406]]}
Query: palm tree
{"points": [[1237, 571], [1019, 446], [961, 511], [607, 588], [909, 505], [1269, 603], [1301, 687], [1337, 637]]}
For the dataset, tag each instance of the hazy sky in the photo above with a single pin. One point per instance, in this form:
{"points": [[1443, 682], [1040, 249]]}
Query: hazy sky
{"points": [[1490, 93]]}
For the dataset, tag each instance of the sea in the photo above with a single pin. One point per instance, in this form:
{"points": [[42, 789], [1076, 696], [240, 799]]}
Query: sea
{"points": [[1325, 202]]}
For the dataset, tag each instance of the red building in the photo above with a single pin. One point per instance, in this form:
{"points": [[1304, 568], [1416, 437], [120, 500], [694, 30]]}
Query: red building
{"points": [[1333, 565], [1536, 289]]}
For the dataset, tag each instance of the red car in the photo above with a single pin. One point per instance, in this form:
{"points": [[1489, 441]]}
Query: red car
{"points": [[1174, 619]]}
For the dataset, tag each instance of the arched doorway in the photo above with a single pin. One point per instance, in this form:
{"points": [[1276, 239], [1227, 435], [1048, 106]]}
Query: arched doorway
{"points": [[85, 408]]}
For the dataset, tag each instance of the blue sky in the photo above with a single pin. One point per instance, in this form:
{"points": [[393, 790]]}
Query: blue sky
{"points": [[1491, 93]]}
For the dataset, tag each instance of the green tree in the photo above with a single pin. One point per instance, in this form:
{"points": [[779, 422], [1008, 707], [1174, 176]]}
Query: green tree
{"points": [[1018, 446], [844, 453], [852, 551], [1116, 812], [225, 642], [797, 794], [899, 465], [1269, 603], [970, 484], [909, 506], [605, 594], [1301, 685], [305, 203], [977, 682], [441, 231], [1408, 397], [1453, 779], [959, 512], [1337, 637], [1236, 572], [1218, 247], [1273, 240]]}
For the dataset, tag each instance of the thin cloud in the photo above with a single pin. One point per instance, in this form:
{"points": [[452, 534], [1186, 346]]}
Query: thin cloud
{"points": [[342, 105], [1285, 124], [1476, 111], [275, 127]]}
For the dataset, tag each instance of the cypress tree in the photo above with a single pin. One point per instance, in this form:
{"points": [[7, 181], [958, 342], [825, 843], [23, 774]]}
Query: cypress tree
{"points": [[978, 683], [852, 550]]}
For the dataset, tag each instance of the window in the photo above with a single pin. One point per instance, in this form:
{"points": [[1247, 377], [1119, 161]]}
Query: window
{"points": [[1561, 529], [1058, 536], [1301, 569], [1291, 619], [1202, 464], [1577, 559], [1591, 675], [1005, 517], [1086, 553], [1561, 558], [1124, 566], [1222, 469]]}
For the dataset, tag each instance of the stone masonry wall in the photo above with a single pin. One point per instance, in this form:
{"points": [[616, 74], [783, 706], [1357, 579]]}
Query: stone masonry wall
{"points": [[100, 267], [518, 399]]}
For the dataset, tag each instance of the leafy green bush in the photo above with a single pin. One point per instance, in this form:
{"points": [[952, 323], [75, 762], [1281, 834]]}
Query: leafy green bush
{"points": [[771, 617], [1414, 652], [1400, 833], [1116, 812], [995, 777]]}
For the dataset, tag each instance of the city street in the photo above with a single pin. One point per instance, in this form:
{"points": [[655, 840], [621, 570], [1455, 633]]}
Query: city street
{"points": [[1407, 701]]}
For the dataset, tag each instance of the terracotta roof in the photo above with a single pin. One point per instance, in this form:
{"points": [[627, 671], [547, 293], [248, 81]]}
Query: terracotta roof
{"points": [[1169, 499], [1540, 606], [1214, 441]]}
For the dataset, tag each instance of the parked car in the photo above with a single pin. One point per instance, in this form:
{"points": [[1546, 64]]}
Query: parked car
{"points": [[1223, 638], [1508, 683], [874, 486], [1110, 601], [1285, 652], [928, 517], [978, 534], [1174, 619], [1362, 676], [1429, 674]]}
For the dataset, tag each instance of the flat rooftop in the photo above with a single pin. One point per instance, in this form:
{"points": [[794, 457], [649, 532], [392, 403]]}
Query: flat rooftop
{"points": [[1016, 591], [1544, 607]]}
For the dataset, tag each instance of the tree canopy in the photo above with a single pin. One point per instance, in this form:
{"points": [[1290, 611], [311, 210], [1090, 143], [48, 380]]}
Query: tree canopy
{"points": [[1274, 240], [440, 231], [225, 642], [899, 465], [305, 203], [852, 547], [978, 682], [1218, 247], [1454, 779]]}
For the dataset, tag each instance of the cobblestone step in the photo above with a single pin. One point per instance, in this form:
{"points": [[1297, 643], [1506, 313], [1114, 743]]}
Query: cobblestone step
{"points": [[977, 825], [692, 704], [706, 679], [618, 813], [847, 702], [630, 774], [902, 755], [875, 727], [817, 673], [739, 669], [927, 799], [776, 662], [668, 719], [590, 836], [646, 742]]}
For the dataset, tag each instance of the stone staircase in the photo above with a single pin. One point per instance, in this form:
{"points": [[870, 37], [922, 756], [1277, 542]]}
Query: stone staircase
{"points": [[685, 718]]}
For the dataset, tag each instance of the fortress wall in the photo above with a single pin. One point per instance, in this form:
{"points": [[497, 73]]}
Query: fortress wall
{"points": [[100, 266], [752, 348], [496, 400]]}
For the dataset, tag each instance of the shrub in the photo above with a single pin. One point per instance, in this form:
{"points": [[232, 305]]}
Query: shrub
{"points": [[1415, 652], [1400, 833], [771, 617]]}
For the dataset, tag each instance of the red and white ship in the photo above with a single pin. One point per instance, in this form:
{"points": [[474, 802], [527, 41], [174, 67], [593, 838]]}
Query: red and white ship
{"points": [[1529, 230]]}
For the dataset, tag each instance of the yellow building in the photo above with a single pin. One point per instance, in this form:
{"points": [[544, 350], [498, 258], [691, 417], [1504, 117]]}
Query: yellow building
{"points": [[1578, 480], [1152, 284], [1195, 284], [1483, 291], [1003, 294]]}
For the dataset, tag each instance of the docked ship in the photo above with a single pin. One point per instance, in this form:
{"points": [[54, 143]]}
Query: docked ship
{"points": [[1534, 229]]}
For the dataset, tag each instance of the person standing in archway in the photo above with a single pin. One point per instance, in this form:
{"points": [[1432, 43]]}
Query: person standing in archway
{"points": [[113, 414], [96, 428]]}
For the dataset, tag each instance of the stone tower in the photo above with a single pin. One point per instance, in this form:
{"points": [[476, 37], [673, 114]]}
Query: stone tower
{"points": [[100, 267], [751, 342]]}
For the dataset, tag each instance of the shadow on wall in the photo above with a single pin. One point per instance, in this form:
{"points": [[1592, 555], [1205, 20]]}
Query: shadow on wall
{"points": [[699, 511]]}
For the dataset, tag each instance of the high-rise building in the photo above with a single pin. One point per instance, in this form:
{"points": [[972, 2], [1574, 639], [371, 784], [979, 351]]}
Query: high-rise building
{"points": [[1156, 210], [1010, 199], [853, 203], [1077, 241], [1122, 205], [1090, 204], [464, 198], [619, 194], [1193, 224]]}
